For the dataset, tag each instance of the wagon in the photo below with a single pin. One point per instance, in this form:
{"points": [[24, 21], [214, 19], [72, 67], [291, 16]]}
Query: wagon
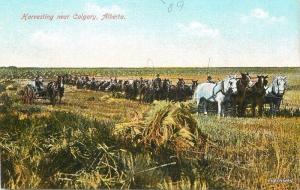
{"points": [[30, 93]]}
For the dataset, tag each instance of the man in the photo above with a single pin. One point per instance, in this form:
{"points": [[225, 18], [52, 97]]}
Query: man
{"points": [[93, 83], [157, 81], [39, 83], [209, 79]]}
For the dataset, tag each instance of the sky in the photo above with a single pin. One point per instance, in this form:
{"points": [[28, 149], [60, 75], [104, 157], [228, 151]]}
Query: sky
{"points": [[153, 33]]}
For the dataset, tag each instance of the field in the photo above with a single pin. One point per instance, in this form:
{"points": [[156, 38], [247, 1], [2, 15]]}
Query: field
{"points": [[93, 140]]}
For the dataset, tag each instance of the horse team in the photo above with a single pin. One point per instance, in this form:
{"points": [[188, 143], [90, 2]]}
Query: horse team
{"points": [[239, 92], [234, 92], [143, 89]]}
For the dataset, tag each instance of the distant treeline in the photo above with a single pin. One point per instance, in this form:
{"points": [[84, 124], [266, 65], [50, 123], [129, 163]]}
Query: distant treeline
{"points": [[28, 72]]}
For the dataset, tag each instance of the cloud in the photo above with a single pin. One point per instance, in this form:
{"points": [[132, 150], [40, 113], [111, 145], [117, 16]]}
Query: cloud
{"points": [[259, 13], [199, 30], [93, 8], [262, 15]]}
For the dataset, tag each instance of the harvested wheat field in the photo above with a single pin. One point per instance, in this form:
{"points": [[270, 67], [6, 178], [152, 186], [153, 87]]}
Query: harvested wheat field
{"points": [[101, 139]]}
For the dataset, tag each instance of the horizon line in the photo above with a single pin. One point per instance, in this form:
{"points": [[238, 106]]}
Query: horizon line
{"points": [[156, 67]]}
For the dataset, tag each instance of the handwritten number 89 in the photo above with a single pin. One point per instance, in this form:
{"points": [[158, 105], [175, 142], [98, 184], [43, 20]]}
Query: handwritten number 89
{"points": [[170, 8], [179, 5]]}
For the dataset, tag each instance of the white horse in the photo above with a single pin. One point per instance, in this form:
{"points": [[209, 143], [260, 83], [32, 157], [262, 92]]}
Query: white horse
{"points": [[210, 92], [275, 92]]}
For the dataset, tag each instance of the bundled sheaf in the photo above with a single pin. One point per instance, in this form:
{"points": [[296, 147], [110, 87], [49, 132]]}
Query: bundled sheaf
{"points": [[167, 126]]}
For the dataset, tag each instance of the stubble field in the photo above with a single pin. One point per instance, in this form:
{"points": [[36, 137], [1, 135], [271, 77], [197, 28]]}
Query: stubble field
{"points": [[93, 140]]}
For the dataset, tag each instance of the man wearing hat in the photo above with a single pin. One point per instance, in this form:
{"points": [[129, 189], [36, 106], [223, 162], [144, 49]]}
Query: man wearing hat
{"points": [[157, 81], [209, 79], [39, 83]]}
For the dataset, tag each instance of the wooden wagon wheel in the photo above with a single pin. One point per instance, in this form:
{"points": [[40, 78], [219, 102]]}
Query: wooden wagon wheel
{"points": [[28, 95]]}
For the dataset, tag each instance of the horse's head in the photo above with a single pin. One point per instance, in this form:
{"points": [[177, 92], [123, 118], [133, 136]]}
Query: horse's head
{"points": [[135, 84], [194, 84], [279, 85], [166, 83], [60, 82], [180, 83], [230, 85], [246, 79], [126, 83], [262, 81]]}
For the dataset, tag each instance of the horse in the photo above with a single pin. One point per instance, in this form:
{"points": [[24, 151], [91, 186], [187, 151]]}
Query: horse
{"points": [[194, 85], [55, 90], [131, 89], [80, 83], [104, 85], [209, 92], [147, 92], [172, 94], [238, 100], [180, 93], [93, 84], [60, 87], [114, 87], [142, 89], [52, 92], [165, 89], [188, 92], [275, 92], [255, 95], [157, 87]]}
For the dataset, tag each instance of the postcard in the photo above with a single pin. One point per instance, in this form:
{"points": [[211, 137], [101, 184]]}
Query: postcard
{"points": [[140, 94]]}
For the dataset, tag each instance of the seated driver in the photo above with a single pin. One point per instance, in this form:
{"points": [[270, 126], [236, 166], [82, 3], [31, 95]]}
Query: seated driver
{"points": [[39, 83], [209, 79]]}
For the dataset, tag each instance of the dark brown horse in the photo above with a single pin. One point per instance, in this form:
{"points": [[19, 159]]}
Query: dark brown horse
{"points": [[180, 94], [55, 90], [243, 85], [131, 89], [256, 94]]}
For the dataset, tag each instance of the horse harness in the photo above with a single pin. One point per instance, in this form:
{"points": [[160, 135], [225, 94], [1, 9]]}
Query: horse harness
{"points": [[274, 94], [215, 93]]}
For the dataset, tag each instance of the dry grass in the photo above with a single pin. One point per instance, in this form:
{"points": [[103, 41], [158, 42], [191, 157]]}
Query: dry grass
{"points": [[98, 105], [73, 146], [250, 152]]}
